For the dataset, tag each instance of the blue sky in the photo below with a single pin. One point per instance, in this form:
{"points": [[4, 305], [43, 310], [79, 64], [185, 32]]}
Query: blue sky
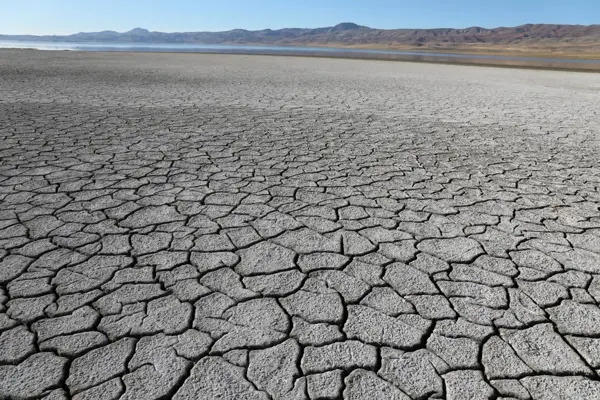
{"points": [[70, 16]]}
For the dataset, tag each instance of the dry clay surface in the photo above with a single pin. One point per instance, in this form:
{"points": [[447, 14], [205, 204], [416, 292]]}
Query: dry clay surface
{"points": [[253, 228]]}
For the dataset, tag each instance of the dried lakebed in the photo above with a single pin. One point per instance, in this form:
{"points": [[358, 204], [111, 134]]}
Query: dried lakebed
{"points": [[247, 227]]}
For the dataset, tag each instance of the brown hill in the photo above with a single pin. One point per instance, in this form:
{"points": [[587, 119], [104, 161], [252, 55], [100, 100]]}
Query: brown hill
{"points": [[541, 38]]}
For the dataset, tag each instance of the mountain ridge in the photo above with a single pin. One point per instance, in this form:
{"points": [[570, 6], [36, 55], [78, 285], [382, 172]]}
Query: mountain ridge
{"points": [[354, 35]]}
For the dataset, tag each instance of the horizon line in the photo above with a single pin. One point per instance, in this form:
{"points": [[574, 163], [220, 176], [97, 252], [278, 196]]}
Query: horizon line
{"points": [[277, 29]]}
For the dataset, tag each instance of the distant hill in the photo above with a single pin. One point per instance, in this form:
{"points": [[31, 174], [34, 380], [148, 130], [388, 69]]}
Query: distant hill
{"points": [[350, 34]]}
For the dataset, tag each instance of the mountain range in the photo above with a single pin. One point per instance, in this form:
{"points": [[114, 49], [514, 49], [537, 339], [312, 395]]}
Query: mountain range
{"points": [[531, 36]]}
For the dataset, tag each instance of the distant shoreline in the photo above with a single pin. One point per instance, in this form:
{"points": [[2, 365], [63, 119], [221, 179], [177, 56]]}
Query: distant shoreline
{"points": [[561, 41], [519, 51], [451, 58]]}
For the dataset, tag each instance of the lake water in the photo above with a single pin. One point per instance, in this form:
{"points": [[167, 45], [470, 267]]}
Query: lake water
{"points": [[243, 49]]}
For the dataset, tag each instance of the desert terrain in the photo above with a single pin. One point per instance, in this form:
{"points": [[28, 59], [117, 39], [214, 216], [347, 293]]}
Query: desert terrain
{"points": [[247, 227]]}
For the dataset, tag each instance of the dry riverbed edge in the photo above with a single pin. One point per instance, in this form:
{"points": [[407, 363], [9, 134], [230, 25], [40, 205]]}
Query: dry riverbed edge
{"points": [[246, 227], [536, 61]]}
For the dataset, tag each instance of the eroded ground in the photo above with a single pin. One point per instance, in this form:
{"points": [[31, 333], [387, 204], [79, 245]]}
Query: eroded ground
{"points": [[236, 227]]}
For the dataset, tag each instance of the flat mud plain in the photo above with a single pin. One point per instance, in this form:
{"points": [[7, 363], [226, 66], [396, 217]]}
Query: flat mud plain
{"points": [[247, 227]]}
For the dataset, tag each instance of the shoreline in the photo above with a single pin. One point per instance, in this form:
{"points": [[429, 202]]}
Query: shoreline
{"points": [[583, 51], [477, 51], [572, 66]]}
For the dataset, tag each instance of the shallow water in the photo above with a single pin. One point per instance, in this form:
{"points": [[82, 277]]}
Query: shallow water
{"points": [[245, 49]]}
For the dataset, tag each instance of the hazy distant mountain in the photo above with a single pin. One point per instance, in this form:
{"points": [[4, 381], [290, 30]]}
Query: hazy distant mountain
{"points": [[350, 34]]}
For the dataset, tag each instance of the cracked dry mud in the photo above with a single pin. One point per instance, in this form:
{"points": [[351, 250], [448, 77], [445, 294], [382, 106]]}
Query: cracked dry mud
{"points": [[238, 227]]}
